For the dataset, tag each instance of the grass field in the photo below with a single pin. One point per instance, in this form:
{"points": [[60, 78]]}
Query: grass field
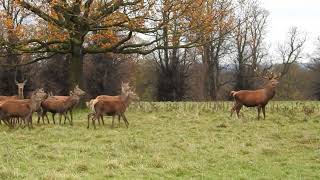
{"points": [[170, 140]]}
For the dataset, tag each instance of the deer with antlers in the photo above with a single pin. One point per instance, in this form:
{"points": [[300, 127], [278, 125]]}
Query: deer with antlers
{"points": [[256, 98]]}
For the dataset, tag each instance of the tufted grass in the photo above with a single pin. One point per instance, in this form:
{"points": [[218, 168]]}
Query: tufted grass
{"points": [[168, 143]]}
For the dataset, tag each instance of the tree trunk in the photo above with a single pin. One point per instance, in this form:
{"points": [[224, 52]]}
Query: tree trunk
{"points": [[76, 64], [76, 67]]}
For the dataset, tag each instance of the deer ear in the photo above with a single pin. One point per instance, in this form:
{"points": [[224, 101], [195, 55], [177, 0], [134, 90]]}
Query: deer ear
{"points": [[25, 81]]}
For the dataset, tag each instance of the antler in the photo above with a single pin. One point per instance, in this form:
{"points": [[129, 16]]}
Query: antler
{"points": [[268, 75]]}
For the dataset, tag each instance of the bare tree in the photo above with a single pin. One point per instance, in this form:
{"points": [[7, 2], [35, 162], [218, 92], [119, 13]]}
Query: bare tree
{"points": [[216, 47], [290, 51], [249, 42], [12, 20]]}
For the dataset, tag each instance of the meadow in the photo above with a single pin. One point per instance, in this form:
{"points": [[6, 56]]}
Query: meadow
{"points": [[171, 141]]}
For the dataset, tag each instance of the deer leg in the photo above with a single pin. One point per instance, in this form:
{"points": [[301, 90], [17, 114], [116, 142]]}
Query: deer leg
{"points": [[125, 120], [66, 116], [6, 122], [43, 121], [264, 112], [112, 121], [71, 123], [94, 121], [119, 119], [60, 118], [99, 120], [259, 110], [235, 105], [53, 114], [12, 121], [39, 117], [102, 119], [89, 115], [48, 118], [238, 108], [29, 120]]}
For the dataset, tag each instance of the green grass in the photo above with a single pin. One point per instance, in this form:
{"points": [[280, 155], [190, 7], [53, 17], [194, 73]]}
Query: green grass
{"points": [[170, 141]]}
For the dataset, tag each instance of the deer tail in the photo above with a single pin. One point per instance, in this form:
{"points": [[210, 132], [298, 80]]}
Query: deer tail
{"points": [[93, 103], [233, 93]]}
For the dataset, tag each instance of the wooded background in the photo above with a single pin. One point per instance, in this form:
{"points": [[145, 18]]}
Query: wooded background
{"points": [[170, 50]]}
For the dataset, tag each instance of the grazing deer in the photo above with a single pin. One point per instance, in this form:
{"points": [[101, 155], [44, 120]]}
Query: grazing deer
{"points": [[111, 107], [255, 98], [22, 108], [61, 105]]}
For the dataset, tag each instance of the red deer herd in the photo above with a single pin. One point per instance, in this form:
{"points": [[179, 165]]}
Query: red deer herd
{"points": [[15, 110]]}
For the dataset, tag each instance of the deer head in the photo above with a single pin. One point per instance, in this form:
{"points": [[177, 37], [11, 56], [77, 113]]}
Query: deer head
{"points": [[124, 87], [77, 91], [38, 96], [273, 79], [20, 88]]}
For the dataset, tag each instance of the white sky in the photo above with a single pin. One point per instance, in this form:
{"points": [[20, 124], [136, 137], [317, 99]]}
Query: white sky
{"points": [[304, 14]]}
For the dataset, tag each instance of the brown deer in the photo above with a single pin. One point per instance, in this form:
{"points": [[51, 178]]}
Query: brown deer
{"points": [[125, 89], [111, 107], [22, 108], [256, 98], [61, 105], [20, 93], [5, 98]]}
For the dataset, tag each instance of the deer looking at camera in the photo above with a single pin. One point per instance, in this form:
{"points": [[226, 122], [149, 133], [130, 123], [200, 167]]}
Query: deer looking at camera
{"points": [[20, 92], [256, 98], [20, 88]]}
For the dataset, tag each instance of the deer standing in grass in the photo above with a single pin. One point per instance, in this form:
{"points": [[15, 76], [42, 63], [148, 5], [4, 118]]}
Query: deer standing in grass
{"points": [[112, 105], [125, 88], [61, 105], [256, 98], [22, 108], [20, 95]]}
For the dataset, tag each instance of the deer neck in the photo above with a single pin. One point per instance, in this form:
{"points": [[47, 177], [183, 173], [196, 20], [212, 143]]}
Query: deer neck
{"points": [[125, 98], [20, 93], [75, 97], [270, 91], [35, 104]]}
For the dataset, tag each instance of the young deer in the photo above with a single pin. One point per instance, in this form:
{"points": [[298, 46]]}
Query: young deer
{"points": [[22, 108], [61, 105], [112, 107], [255, 98]]}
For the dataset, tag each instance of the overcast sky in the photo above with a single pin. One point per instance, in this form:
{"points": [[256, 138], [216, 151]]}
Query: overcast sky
{"points": [[304, 14]]}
